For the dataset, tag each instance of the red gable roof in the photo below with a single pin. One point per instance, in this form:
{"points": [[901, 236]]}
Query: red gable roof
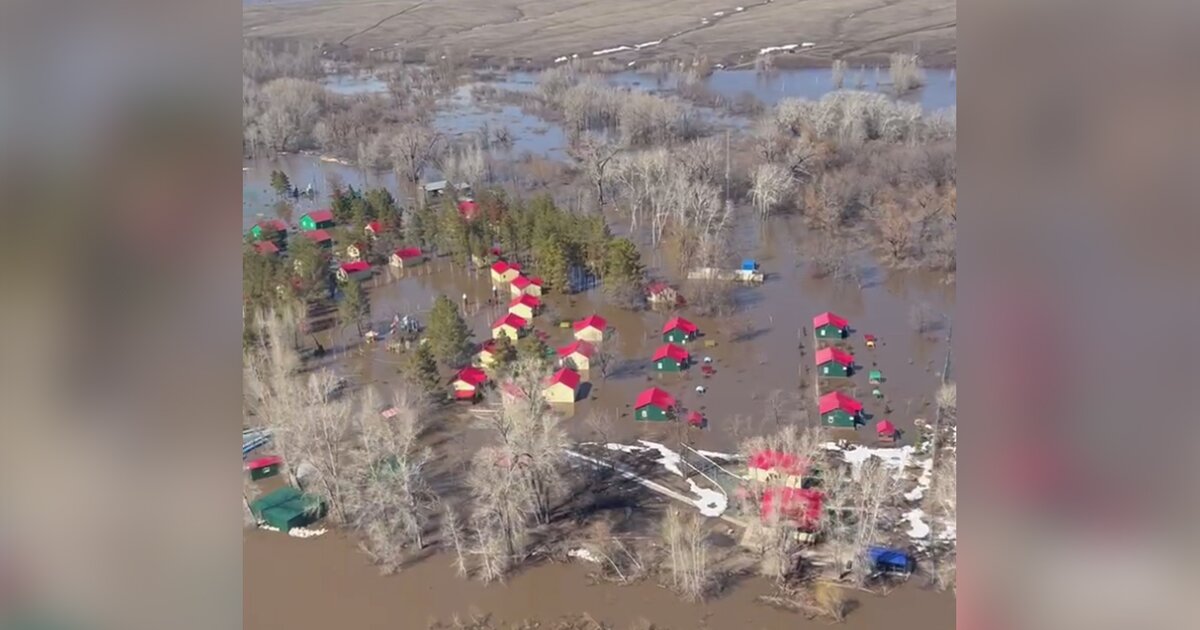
{"points": [[514, 265], [273, 224], [798, 504], [838, 400], [468, 209], [374, 226], [512, 320], [681, 323], [536, 281], [777, 460], [528, 300], [355, 267], [318, 236], [472, 376], [408, 252], [320, 216], [566, 376], [521, 282], [488, 346], [825, 355], [500, 266], [655, 288], [591, 321], [885, 427], [672, 351], [654, 396], [266, 247], [829, 318], [582, 347], [263, 462]]}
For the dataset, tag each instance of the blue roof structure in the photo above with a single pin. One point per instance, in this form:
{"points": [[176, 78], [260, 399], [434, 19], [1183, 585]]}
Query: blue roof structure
{"points": [[749, 264], [884, 558]]}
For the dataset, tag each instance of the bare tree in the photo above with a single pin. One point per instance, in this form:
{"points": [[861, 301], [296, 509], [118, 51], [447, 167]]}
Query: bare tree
{"points": [[413, 147], [896, 228], [853, 504], [292, 109], [467, 164], [838, 73], [454, 538], [595, 153], [687, 554], [906, 73], [770, 182]]}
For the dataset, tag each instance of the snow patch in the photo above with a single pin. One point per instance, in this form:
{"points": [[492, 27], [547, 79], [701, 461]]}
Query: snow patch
{"points": [[560, 59], [666, 457], [740, 9], [917, 527], [718, 14], [894, 458], [771, 49], [711, 502], [648, 44], [304, 532], [583, 554], [807, 45], [716, 455], [606, 51]]}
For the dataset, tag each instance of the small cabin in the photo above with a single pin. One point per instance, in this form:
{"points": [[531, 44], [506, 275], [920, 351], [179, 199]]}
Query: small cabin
{"points": [[373, 229], [468, 384], [406, 257], [830, 326], [590, 329], [468, 209], [562, 387], [832, 362], [271, 230], [512, 326], [316, 220], [264, 467], [839, 410], [504, 272], [353, 271], [577, 354], [486, 356], [525, 306], [870, 340], [320, 237], [266, 248], [670, 358], [662, 293], [886, 431], [679, 330], [776, 468], [654, 405], [526, 285]]}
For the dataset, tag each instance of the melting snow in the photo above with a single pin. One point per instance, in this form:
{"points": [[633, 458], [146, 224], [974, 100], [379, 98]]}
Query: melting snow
{"points": [[560, 59], [716, 455], [895, 458], [807, 45], [718, 14], [297, 532], [583, 554], [711, 502], [648, 44], [606, 51], [917, 527], [740, 9], [666, 457], [771, 49]]}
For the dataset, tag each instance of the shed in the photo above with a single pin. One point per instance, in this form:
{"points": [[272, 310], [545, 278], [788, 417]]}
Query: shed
{"points": [[504, 272], [654, 405], [468, 383], [316, 220], [776, 467], [875, 376], [670, 358], [523, 284], [799, 506], [871, 340], [264, 467], [320, 237], [266, 248], [679, 330], [511, 325], [829, 326], [577, 354], [435, 189], [270, 229], [834, 362], [839, 410], [591, 329], [749, 264], [562, 387], [525, 306], [406, 257], [353, 271], [890, 560], [663, 293], [885, 430], [286, 508]]}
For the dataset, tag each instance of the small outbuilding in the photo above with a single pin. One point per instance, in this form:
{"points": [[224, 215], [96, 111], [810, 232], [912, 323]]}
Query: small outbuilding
{"points": [[525, 306], [839, 410], [654, 405], [316, 220], [679, 330], [577, 354], [468, 384], [360, 270], [870, 340], [829, 326], [286, 508], [886, 430], [373, 229], [511, 325], [776, 468], [875, 377], [504, 272], [670, 358], [266, 248], [406, 257], [320, 237], [832, 362], [264, 467], [487, 353], [525, 285], [270, 229], [591, 329], [562, 387], [663, 294]]}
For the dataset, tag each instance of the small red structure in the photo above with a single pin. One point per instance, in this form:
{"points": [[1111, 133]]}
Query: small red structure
{"points": [[263, 462], [566, 376], [885, 430], [318, 236], [827, 318], [799, 505], [838, 401], [870, 339], [678, 322], [778, 462], [374, 227], [467, 382], [405, 253], [696, 419], [708, 369], [266, 248], [825, 355], [468, 209], [356, 267]]}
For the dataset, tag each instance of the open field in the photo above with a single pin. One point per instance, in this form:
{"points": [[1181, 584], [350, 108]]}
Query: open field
{"points": [[543, 30]]}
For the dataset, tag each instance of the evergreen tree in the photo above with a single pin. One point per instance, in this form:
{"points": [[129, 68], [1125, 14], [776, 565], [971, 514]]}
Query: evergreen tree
{"points": [[281, 183], [455, 237], [382, 204], [623, 264], [360, 214], [594, 237], [449, 337], [553, 265], [424, 229], [533, 349], [260, 275], [422, 369], [504, 352], [353, 307], [509, 234], [341, 202], [308, 264]]}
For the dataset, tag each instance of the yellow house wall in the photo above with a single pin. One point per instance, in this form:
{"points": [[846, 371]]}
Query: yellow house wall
{"points": [[579, 361], [559, 393], [505, 330], [521, 310], [590, 334], [463, 386]]}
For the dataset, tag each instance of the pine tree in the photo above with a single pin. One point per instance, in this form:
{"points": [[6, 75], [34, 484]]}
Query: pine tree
{"points": [[422, 369], [281, 183], [307, 264], [455, 237], [553, 265], [449, 337], [533, 350], [504, 352], [623, 264], [594, 238], [353, 306]]}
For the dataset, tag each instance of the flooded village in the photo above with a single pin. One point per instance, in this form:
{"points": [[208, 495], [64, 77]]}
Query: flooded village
{"points": [[597, 344]]}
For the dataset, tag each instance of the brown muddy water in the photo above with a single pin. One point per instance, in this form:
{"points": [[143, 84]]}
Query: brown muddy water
{"points": [[325, 583]]}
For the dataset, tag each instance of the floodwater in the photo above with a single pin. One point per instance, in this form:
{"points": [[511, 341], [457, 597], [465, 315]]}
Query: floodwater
{"points": [[258, 198], [349, 84], [326, 582], [460, 114]]}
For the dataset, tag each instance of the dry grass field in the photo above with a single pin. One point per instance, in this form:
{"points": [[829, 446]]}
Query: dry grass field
{"points": [[543, 30]]}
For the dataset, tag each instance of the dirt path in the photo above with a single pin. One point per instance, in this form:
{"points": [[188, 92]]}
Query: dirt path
{"points": [[380, 23]]}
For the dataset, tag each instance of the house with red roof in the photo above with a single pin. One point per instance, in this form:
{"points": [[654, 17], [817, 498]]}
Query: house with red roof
{"points": [[373, 229], [525, 306], [266, 248], [269, 229], [511, 325], [832, 362], [316, 220], [661, 293], [562, 387], [320, 237], [839, 410], [523, 284], [800, 507], [577, 355], [670, 358], [654, 405], [468, 383], [591, 329], [679, 330], [353, 270], [356, 251], [469, 209], [886, 430], [406, 257], [504, 272], [776, 467], [829, 326]]}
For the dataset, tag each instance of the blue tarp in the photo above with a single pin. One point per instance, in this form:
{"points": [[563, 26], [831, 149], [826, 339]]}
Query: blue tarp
{"points": [[749, 264], [885, 559]]}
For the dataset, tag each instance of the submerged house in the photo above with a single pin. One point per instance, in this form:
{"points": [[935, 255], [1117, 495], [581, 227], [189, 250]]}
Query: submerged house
{"points": [[679, 330], [654, 405], [510, 325], [468, 384], [670, 358], [562, 387], [525, 306], [525, 285], [320, 237], [834, 363], [591, 329], [504, 272], [271, 229], [577, 354], [839, 410], [353, 271], [830, 326], [316, 220], [266, 248], [663, 293], [406, 257]]}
